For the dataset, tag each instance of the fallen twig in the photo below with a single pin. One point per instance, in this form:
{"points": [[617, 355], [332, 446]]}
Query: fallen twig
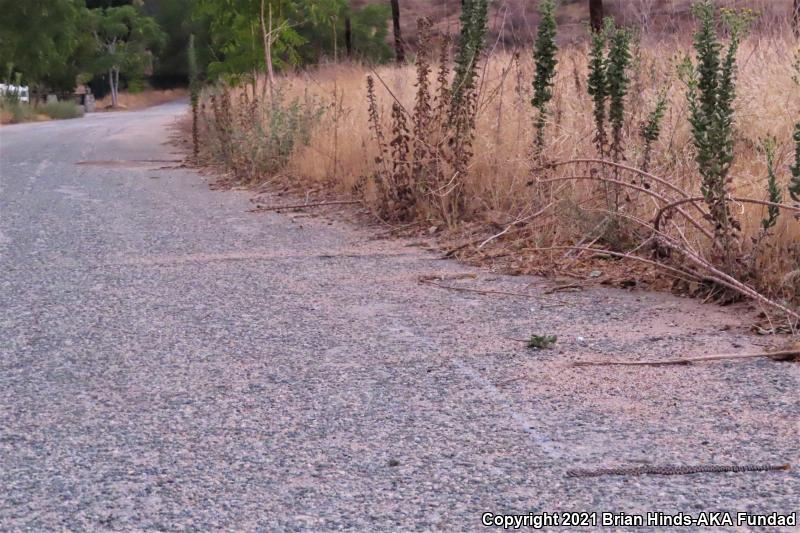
{"points": [[259, 209], [566, 287], [784, 355], [432, 280]]}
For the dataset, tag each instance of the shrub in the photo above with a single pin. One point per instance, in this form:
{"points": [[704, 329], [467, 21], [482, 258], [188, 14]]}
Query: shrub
{"points": [[619, 57], [794, 183], [773, 191], [544, 56], [650, 130], [256, 138], [597, 86], [61, 110], [435, 140], [14, 112], [711, 92]]}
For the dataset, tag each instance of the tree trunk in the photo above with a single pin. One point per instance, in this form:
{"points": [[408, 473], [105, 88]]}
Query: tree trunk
{"points": [[348, 35], [400, 53], [112, 83], [596, 14], [266, 34]]}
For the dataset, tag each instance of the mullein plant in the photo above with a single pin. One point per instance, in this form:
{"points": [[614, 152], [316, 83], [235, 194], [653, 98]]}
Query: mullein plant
{"points": [[619, 57], [773, 190], [711, 90], [597, 86], [607, 84], [470, 46], [774, 196], [650, 130], [463, 92], [794, 181], [544, 55]]}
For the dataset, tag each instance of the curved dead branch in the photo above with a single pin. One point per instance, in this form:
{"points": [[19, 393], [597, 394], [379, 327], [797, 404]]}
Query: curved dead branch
{"points": [[695, 199], [652, 193]]}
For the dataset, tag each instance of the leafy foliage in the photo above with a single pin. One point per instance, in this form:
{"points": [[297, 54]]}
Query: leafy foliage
{"points": [[773, 191], [470, 46], [61, 110], [619, 58], [711, 92], [608, 84], [125, 38], [650, 130], [597, 86], [45, 40], [794, 183], [542, 342], [544, 55]]}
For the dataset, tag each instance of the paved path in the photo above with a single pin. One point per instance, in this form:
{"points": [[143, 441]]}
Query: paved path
{"points": [[171, 362]]}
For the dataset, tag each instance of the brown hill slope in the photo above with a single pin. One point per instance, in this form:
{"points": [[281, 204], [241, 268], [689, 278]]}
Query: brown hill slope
{"points": [[514, 21]]}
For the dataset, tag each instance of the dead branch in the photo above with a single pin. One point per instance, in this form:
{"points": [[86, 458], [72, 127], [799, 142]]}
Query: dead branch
{"points": [[510, 227], [431, 280], [694, 199], [620, 166], [618, 254], [785, 355], [721, 278], [649, 192], [566, 287]]}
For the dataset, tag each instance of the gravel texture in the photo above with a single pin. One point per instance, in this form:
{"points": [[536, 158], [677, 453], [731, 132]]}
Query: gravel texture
{"points": [[171, 362]]}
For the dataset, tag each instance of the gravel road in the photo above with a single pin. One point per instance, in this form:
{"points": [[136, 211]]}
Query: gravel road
{"points": [[171, 362]]}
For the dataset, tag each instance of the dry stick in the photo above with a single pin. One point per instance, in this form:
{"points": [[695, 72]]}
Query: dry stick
{"points": [[618, 254], [300, 206], [518, 221], [694, 199], [449, 253], [375, 72], [716, 275], [785, 355], [620, 166], [430, 281], [722, 278]]}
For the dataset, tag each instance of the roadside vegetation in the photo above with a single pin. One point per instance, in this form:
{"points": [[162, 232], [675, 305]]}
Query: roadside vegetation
{"points": [[670, 161]]}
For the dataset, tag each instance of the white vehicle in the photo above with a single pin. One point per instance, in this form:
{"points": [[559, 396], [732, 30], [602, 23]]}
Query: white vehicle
{"points": [[20, 90]]}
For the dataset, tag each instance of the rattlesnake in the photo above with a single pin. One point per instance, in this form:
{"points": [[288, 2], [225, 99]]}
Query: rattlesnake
{"points": [[671, 470]]}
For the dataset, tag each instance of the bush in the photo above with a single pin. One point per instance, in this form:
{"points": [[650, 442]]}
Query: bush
{"points": [[254, 137], [12, 112], [61, 110]]}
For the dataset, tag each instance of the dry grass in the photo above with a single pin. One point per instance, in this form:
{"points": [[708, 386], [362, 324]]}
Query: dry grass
{"points": [[504, 185], [141, 100], [513, 22]]}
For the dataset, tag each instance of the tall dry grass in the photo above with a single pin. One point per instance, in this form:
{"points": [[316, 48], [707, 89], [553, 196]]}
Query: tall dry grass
{"points": [[504, 184]]}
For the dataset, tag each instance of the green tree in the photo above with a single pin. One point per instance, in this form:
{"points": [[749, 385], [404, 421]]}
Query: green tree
{"points": [[178, 19], [237, 36], [125, 39], [44, 40]]}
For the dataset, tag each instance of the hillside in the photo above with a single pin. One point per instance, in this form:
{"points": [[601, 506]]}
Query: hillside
{"points": [[514, 21]]}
